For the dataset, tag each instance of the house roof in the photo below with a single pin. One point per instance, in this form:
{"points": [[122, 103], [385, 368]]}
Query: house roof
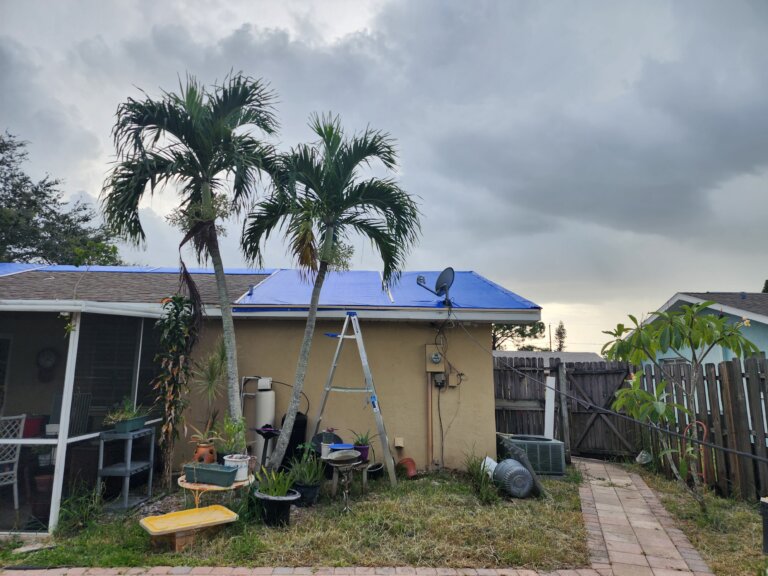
{"points": [[754, 302], [110, 286], [265, 293], [548, 356], [287, 288], [751, 305]]}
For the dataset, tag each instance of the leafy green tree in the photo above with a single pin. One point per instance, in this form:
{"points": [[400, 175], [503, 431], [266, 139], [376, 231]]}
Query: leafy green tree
{"points": [[516, 335], [560, 334], [37, 226], [200, 141], [320, 199], [689, 334]]}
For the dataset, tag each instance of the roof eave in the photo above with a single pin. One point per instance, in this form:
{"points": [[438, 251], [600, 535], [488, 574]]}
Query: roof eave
{"points": [[154, 310]]}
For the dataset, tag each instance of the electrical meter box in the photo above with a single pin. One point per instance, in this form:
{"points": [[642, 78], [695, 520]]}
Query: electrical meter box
{"points": [[435, 360]]}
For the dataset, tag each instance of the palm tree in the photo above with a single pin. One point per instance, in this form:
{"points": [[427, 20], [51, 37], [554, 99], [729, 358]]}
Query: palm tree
{"points": [[319, 200], [201, 141]]}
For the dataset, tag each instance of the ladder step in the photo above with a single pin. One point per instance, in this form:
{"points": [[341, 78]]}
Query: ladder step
{"points": [[343, 389]]}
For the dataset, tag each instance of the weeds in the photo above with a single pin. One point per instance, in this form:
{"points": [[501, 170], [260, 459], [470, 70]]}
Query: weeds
{"points": [[79, 510], [480, 480], [728, 535]]}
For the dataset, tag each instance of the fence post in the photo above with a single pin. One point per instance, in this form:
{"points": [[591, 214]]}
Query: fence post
{"points": [[717, 429], [562, 378], [735, 408]]}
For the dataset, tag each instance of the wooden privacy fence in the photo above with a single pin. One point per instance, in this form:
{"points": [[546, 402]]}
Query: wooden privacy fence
{"points": [[731, 403], [520, 388]]}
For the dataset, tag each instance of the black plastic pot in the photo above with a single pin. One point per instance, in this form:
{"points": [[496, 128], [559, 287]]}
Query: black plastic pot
{"points": [[276, 510], [309, 494], [376, 471]]}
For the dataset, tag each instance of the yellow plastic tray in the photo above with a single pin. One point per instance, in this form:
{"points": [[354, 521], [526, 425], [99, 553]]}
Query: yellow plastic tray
{"points": [[187, 520]]}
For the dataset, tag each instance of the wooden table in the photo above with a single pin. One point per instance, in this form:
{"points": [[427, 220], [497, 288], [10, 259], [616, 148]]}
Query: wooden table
{"points": [[199, 489]]}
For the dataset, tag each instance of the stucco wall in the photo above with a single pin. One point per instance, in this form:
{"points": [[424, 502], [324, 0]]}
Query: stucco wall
{"points": [[396, 351]]}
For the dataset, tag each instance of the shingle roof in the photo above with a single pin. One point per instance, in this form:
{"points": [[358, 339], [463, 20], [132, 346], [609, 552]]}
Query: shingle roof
{"points": [[100, 286], [755, 302]]}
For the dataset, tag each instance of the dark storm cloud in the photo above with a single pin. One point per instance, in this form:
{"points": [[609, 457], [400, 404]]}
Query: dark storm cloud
{"points": [[566, 149], [30, 109]]}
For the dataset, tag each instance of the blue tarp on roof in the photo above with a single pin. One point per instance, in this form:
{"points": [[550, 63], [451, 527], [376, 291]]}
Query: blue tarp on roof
{"points": [[13, 268], [286, 288]]}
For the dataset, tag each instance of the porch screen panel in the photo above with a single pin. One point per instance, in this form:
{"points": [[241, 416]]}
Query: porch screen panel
{"points": [[148, 368], [5, 352], [106, 363]]}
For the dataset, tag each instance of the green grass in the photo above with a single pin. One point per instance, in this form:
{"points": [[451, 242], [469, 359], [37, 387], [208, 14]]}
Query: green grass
{"points": [[435, 520], [729, 537]]}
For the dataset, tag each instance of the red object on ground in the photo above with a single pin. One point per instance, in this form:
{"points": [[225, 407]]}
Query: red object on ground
{"points": [[410, 466]]}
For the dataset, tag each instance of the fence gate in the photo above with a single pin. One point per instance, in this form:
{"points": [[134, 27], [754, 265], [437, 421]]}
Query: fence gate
{"points": [[594, 432]]}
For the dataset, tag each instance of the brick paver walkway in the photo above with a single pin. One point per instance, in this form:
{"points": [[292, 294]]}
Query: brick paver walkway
{"points": [[629, 531], [629, 534]]}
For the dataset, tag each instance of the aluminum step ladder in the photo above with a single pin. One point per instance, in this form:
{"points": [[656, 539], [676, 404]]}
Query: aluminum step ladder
{"points": [[368, 389]]}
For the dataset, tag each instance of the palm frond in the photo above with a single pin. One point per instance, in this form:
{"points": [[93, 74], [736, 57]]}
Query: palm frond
{"points": [[241, 100], [260, 224], [127, 183]]}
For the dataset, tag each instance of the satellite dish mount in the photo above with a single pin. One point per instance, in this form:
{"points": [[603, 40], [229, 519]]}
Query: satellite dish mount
{"points": [[442, 285]]}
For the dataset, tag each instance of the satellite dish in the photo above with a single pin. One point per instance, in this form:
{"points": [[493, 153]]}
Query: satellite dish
{"points": [[444, 282], [442, 285]]}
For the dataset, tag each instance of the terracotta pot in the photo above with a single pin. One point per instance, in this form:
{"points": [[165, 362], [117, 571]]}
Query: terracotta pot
{"points": [[205, 454]]}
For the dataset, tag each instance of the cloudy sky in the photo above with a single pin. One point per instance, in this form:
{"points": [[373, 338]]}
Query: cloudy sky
{"points": [[595, 157]]}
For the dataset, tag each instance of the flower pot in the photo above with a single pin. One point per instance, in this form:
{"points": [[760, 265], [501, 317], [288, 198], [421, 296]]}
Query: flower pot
{"points": [[309, 494], [276, 510], [363, 452], [376, 470], [205, 454], [130, 425], [239, 462], [209, 474]]}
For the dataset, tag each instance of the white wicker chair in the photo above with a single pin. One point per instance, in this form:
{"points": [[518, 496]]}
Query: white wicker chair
{"points": [[11, 427]]}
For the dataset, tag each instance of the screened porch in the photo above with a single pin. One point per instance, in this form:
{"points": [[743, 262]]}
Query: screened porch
{"points": [[60, 374]]}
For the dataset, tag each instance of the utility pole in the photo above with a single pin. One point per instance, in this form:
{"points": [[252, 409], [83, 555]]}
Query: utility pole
{"points": [[550, 336]]}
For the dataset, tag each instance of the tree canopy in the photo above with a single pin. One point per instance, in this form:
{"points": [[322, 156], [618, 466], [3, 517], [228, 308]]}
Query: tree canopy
{"points": [[37, 226], [516, 335]]}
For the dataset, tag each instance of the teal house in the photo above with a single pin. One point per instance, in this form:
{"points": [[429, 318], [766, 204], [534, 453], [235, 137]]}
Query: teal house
{"points": [[736, 306]]}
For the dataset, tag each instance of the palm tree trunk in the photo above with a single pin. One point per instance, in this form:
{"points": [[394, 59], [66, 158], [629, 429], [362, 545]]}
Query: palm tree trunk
{"points": [[301, 371], [228, 331]]}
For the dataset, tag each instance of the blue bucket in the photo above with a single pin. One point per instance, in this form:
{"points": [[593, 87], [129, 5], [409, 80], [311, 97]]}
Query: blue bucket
{"points": [[336, 447]]}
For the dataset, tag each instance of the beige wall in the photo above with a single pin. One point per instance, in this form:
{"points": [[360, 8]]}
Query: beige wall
{"points": [[396, 352]]}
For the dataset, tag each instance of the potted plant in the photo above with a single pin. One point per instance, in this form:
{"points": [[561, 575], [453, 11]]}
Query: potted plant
{"points": [[216, 474], [231, 446], [308, 474], [205, 450], [275, 496], [232, 437], [127, 417], [362, 443]]}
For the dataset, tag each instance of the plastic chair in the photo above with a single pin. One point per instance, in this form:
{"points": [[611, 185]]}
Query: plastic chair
{"points": [[11, 427]]}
